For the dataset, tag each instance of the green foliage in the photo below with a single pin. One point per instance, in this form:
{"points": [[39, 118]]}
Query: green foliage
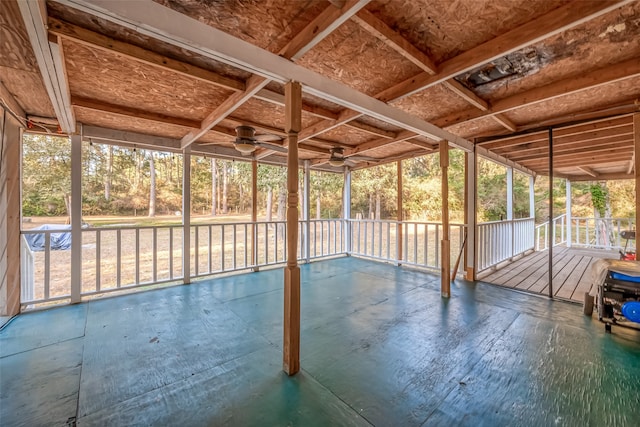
{"points": [[598, 198]]}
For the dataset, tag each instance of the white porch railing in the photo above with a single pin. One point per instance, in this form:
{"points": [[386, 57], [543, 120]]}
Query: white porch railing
{"points": [[499, 241], [559, 230], [592, 232], [379, 239]]}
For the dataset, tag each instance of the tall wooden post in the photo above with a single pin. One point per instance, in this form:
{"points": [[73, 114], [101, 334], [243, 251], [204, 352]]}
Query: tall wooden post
{"points": [[10, 239], [400, 216], [470, 213], [76, 218], [293, 124], [254, 214], [552, 228], [445, 244], [636, 146], [186, 215]]}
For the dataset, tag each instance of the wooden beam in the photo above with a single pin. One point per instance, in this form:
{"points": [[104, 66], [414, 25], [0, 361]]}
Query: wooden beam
{"points": [[371, 129], [582, 147], [548, 25], [180, 30], [588, 171], [466, 94], [127, 50], [323, 25], [636, 149], [483, 152], [372, 145], [505, 121], [50, 62], [323, 126], [579, 83], [229, 105], [604, 177], [422, 144], [561, 132], [395, 41], [445, 244], [401, 45], [291, 343]]}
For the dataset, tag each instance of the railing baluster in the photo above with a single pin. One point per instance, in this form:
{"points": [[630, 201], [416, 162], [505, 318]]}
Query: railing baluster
{"points": [[210, 248], [222, 255], [98, 259], [235, 230], [245, 245], [171, 253], [118, 258], [137, 279], [47, 265], [155, 254]]}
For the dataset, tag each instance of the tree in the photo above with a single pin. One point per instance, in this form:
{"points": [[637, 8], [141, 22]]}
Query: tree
{"points": [[152, 186]]}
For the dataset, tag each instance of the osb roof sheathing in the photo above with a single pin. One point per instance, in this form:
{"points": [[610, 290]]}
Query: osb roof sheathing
{"points": [[350, 54]]}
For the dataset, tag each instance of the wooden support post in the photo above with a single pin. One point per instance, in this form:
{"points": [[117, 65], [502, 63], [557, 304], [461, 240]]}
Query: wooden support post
{"points": [[445, 245], [470, 213], [293, 124], [254, 214], [636, 146], [186, 215], [552, 233], [400, 240], [346, 209], [10, 159], [568, 216], [76, 218]]}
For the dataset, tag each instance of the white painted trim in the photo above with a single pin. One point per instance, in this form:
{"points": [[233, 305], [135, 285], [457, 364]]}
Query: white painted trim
{"points": [[509, 194], [347, 209], [49, 61], [470, 170], [568, 214], [306, 211], [159, 22], [532, 198], [186, 216], [76, 218]]}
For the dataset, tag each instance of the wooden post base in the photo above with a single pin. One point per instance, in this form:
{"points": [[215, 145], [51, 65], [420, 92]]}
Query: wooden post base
{"points": [[471, 274], [291, 343], [445, 268]]}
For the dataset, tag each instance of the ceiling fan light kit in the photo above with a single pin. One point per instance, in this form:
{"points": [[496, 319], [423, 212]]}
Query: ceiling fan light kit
{"points": [[245, 146]]}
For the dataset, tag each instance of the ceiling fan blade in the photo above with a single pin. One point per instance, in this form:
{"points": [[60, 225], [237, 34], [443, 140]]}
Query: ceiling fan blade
{"points": [[267, 137], [363, 158], [273, 147]]}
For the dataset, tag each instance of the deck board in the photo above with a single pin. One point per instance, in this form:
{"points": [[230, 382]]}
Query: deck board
{"points": [[570, 272]]}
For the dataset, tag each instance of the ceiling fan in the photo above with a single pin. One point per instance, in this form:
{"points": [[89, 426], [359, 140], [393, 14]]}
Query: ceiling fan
{"points": [[247, 141], [337, 157]]}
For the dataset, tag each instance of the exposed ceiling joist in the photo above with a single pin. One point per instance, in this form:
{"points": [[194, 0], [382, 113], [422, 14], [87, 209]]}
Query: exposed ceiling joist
{"points": [[372, 145], [50, 62], [172, 27], [588, 171], [604, 177], [323, 25], [550, 24], [582, 82], [481, 151]]}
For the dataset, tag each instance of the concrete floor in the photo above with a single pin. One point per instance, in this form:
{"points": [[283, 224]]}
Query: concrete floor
{"points": [[379, 347]]}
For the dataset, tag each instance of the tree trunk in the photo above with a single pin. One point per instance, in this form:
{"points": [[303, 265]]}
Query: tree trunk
{"points": [[282, 210], [318, 213], [225, 187], [152, 187], [241, 196], [370, 206], [214, 187], [269, 204], [108, 174], [377, 205], [136, 179]]}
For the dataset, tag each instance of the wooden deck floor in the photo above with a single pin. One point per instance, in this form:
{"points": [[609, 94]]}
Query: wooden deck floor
{"points": [[571, 266]]}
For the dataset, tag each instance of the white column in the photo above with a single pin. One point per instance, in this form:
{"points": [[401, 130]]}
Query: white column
{"points": [[346, 209], [76, 218], [532, 198], [568, 204], [509, 194], [306, 211], [186, 215], [470, 198]]}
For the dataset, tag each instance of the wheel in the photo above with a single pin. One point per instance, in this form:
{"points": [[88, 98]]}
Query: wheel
{"points": [[587, 308], [607, 327]]}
